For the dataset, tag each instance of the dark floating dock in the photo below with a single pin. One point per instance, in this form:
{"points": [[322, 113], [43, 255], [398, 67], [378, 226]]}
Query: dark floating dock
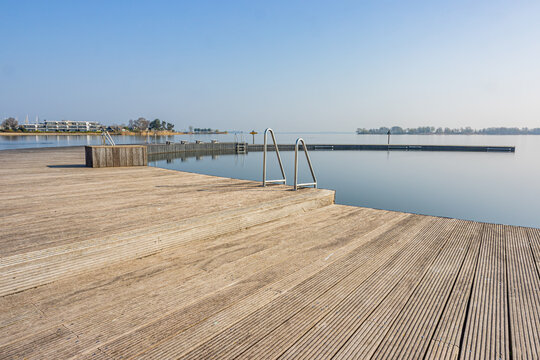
{"points": [[233, 147], [396, 147]]}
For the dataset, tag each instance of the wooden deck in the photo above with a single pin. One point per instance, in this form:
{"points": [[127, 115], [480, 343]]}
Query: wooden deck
{"points": [[118, 263]]}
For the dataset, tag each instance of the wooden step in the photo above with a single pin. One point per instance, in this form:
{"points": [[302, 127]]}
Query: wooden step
{"points": [[27, 270], [163, 303]]}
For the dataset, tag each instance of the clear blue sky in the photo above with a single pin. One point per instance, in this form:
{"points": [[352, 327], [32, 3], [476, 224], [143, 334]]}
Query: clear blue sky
{"points": [[292, 65]]}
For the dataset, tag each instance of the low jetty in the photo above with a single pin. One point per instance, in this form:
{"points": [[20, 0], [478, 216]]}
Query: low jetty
{"points": [[396, 147], [142, 262], [231, 147]]}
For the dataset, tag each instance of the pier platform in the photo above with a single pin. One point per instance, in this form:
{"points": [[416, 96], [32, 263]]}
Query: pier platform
{"points": [[231, 147], [148, 263], [390, 147]]}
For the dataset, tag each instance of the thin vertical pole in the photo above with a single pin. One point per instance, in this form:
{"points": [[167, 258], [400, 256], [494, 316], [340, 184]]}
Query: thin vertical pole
{"points": [[296, 165], [264, 158]]}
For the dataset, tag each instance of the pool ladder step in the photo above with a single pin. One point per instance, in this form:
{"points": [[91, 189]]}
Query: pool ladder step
{"points": [[241, 148], [304, 146], [283, 180]]}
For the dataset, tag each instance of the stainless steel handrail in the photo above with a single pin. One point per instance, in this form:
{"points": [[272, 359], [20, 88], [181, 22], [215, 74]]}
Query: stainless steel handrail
{"points": [[106, 137], [296, 184], [264, 182]]}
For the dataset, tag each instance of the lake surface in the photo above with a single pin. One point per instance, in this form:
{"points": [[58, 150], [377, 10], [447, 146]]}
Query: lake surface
{"points": [[30, 141], [492, 187]]}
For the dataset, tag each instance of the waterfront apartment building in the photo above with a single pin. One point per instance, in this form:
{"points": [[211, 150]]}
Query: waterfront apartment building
{"points": [[64, 125]]}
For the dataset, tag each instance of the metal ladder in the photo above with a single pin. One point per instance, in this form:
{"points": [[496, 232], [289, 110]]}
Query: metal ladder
{"points": [[106, 137], [264, 182], [296, 184], [241, 148]]}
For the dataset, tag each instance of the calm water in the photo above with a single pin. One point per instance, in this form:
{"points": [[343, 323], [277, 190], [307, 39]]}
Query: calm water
{"points": [[493, 187]]}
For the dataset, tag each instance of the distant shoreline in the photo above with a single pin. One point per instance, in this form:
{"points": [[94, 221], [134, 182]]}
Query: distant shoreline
{"points": [[126, 133], [431, 130], [9, 133]]}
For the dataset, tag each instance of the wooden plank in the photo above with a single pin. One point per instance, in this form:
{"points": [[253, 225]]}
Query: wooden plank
{"points": [[124, 156], [409, 334], [445, 343], [486, 335], [181, 319], [97, 158], [109, 157], [138, 157], [193, 336], [88, 156], [337, 280], [116, 156], [28, 274], [174, 335], [44, 345], [523, 291], [534, 242], [377, 301], [93, 324], [129, 157]]}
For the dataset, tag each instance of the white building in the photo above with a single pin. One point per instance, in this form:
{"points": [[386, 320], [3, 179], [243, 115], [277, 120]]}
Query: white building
{"points": [[64, 125]]}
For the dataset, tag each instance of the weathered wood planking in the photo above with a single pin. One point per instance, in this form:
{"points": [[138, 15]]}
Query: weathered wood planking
{"points": [[155, 264]]}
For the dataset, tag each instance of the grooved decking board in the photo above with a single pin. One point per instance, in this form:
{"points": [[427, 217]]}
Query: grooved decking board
{"points": [[486, 334], [149, 263], [411, 332], [269, 311], [167, 330], [64, 203], [445, 341], [523, 291], [62, 262], [384, 293], [331, 283], [197, 267]]}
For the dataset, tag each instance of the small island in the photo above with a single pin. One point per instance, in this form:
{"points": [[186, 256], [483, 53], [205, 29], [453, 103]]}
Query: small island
{"points": [[431, 130]]}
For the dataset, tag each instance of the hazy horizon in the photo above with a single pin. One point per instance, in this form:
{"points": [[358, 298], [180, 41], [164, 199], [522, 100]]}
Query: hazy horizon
{"points": [[290, 65]]}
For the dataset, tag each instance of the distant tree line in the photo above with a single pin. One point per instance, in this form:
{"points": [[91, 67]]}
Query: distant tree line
{"points": [[11, 124], [143, 124], [204, 130], [140, 124], [430, 130]]}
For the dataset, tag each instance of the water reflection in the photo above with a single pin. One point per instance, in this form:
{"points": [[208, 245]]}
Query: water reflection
{"points": [[490, 187], [25, 141]]}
